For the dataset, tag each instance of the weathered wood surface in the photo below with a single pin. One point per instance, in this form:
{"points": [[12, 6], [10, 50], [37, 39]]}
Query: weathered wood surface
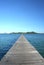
{"points": [[22, 53]]}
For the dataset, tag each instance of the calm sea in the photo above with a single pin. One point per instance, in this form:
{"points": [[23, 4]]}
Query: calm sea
{"points": [[37, 40], [6, 42]]}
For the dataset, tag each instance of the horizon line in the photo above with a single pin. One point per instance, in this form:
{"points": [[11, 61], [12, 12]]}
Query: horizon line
{"points": [[19, 32]]}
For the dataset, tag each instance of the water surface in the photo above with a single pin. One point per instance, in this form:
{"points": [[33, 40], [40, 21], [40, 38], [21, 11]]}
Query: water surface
{"points": [[6, 42], [37, 40]]}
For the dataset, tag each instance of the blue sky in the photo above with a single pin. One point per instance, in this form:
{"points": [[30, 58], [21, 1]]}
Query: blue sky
{"points": [[21, 16]]}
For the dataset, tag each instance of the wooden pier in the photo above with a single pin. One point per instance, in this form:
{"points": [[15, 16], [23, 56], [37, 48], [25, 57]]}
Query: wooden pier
{"points": [[22, 53]]}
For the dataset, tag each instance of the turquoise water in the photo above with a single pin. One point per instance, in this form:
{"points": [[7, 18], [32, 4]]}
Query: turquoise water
{"points": [[37, 40], [6, 42]]}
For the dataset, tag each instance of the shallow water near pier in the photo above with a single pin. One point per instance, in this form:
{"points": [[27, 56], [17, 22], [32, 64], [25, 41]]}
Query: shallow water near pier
{"points": [[6, 42], [37, 40]]}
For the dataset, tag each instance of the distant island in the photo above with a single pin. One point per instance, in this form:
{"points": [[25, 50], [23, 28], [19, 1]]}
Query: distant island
{"points": [[31, 32], [23, 32]]}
